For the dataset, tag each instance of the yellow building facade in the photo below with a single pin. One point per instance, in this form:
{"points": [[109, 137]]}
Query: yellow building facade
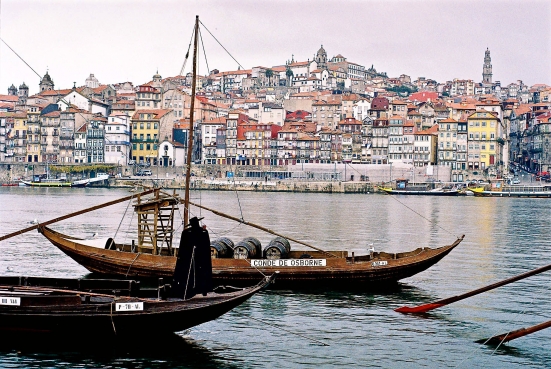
{"points": [[483, 131], [148, 127], [20, 137]]}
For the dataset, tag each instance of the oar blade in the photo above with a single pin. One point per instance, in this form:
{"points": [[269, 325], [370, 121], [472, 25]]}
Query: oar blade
{"points": [[502, 338], [418, 309], [509, 336]]}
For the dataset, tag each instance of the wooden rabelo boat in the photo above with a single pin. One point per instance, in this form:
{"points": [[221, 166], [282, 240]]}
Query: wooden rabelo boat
{"points": [[241, 263], [108, 308], [300, 269]]}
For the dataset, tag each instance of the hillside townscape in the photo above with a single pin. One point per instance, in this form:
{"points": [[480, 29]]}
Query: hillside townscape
{"points": [[321, 110]]}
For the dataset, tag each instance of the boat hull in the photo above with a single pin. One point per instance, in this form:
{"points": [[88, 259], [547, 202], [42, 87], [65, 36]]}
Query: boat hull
{"points": [[76, 313], [55, 184], [340, 271], [421, 193], [528, 192]]}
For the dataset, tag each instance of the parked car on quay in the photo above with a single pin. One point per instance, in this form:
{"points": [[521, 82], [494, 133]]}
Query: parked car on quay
{"points": [[145, 172]]}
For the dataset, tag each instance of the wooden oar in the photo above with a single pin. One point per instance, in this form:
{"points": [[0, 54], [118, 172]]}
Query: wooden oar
{"points": [[262, 228], [21, 231], [449, 300], [506, 337]]}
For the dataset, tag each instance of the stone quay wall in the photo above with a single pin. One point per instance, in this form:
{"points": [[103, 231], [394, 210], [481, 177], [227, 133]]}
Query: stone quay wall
{"points": [[328, 178]]}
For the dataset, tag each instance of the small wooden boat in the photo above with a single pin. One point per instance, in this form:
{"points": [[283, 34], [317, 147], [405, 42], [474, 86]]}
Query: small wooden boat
{"points": [[121, 308]]}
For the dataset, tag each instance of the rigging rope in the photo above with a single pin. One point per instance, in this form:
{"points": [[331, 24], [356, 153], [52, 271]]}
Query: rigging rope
{"points": [[422, 216], [221, 45], [23, 60], [203, 47], [123, 215], [192, 264], [217, 110]]}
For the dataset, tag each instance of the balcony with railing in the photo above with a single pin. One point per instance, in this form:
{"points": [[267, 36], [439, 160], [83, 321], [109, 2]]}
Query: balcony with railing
{"points": [[123, 143], [20, 143], [144, 140]]}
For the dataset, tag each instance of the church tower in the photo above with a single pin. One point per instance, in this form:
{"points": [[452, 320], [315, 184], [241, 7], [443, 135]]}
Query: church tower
{"points": [[46, 83], [321, 58], [487, 69], [23, 94], [12, 90], [157, 80]]}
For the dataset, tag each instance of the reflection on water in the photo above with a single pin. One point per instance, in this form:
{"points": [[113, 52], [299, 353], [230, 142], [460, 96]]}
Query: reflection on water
{"points": [[504, 237], [174, 350]]}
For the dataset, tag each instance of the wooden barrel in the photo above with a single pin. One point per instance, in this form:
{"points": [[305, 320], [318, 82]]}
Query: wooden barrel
{"points": [[221, 248], [256, 244], [278, 248], [247, 249]]}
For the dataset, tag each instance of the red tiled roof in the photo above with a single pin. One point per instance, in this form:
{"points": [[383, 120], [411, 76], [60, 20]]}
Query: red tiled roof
{"points": [[430, 131], [158, 113], [11, 98], [55, 92], [53, 114]]}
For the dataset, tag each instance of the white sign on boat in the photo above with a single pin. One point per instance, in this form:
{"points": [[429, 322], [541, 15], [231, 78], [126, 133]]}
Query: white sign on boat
{"points": [[379, 263], [12, 301], [288, 263], [129, 306]]}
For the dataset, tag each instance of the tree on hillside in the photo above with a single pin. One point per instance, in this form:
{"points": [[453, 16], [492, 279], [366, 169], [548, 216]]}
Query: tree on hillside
{"points": [[269, 74], [289, 74]]}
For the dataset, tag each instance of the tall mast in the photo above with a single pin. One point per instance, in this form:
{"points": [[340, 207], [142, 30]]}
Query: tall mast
{"points": [[190, 135]]}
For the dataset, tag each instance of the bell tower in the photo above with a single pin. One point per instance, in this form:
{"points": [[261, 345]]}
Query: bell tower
{"points": [[321, 58], [487, 69], [46, 83]]}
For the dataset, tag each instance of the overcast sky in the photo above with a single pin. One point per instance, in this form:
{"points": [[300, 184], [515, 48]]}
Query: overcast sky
{"points": [[129, 40]]}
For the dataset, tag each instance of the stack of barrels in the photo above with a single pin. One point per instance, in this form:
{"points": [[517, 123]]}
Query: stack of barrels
{"points": [[249, 248]]}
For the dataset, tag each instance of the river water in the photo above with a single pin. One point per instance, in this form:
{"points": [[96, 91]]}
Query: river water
{"points": [[283, 329]]}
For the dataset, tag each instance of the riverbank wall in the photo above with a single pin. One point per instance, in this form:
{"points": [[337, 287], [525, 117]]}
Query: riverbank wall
{"points": [[244, 185], [324, 178]]}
